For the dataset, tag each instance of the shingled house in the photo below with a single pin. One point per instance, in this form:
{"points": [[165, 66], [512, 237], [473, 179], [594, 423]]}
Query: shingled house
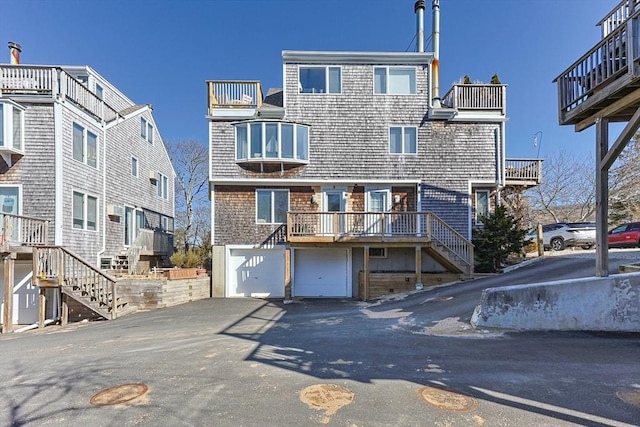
{"points": [[355, 178], [86, 186]]}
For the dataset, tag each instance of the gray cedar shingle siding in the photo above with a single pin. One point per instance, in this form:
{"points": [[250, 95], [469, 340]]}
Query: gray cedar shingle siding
{"points": [[36, 172], [349, 139], [38, 146]]}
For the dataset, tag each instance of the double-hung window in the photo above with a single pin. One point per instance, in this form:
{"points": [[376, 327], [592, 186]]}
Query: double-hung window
{"points": [[11, 127], [272, 206], [134, 167], [482, 204], [146, 130], [85, 211], [394, 80], [403, 140], [85, 146], [163, 187], [320, 80]]}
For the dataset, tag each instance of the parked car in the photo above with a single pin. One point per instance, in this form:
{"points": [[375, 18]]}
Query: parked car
{"points": [[562, 235], [625, 235]]}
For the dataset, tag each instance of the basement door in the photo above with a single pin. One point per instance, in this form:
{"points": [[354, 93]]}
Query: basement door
{"points": [[321, 273]]}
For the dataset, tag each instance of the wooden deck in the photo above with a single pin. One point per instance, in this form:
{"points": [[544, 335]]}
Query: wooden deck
{"points": [[525, 173], [605, 81], [389, 229]]}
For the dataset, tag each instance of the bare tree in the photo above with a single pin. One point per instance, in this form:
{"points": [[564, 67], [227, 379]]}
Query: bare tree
{"points": [[567, 191], [190, 162], [624, 184]]}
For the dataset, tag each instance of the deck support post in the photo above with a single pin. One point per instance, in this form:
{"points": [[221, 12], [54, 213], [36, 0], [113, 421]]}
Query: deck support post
{"points": [[419, 267], [365, 276], [9, 274], [602, 195]]}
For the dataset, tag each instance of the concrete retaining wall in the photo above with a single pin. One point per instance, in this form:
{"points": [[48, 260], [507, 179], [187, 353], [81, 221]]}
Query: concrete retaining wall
{"points": [[589, 304]]}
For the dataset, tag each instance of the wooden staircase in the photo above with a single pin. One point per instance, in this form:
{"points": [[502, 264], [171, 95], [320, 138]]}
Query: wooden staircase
{"points": [[59, 267]]}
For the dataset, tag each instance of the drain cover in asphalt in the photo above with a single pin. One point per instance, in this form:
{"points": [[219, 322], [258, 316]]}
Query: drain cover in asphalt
{"points": [[447, 400], [118, 394], [630, 397], [327, 397]]}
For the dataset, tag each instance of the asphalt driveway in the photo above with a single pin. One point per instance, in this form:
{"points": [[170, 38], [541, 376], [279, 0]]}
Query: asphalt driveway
{"points": [[411, 360]]}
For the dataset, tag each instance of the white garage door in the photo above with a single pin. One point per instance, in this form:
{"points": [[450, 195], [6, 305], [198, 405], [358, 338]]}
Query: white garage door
{"points": [[321, 273], [255, 273]]}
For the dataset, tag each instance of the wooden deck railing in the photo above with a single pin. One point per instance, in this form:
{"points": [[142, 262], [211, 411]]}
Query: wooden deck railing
{"points": [[477, 97], [618, 16], [234, 94], [523, 170], [66, 268], [51, 82], [606, 61], [337, 226], [19, 230]]}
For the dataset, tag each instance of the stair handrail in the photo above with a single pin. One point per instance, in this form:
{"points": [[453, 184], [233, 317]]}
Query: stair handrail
{"points": [[455, 242], [52, 268]]}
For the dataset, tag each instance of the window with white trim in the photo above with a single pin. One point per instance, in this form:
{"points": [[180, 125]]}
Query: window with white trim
{"points": [[146, 130], [99, 91], [272, 141], [11, 127], [85, 211], [272, 206], [319, 79], [85, 146], [163, 186], [134, 167], [394, 80], [482, 203], [403, 140]]}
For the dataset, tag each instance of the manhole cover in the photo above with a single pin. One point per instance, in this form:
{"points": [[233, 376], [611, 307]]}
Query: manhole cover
{"points": [[118, 394], [327, 397], [630, 397], [448, 400]]}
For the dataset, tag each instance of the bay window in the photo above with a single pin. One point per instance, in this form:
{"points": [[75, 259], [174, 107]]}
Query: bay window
{"points": [[272, 141]]}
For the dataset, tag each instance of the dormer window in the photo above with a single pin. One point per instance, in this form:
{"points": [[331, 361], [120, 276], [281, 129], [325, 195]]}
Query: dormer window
{"points": [[319, 80], [272, 141]]}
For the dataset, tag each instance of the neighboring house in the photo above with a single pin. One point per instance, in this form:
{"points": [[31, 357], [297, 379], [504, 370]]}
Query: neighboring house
{"points": [[84, 172], [352, 180]]}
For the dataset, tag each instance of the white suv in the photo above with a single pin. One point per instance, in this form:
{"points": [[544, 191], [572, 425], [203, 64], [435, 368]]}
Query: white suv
{"points": [[562, 235]]}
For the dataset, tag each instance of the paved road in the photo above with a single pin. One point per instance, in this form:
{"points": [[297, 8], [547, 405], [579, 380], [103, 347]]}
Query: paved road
{"points": [[344, 363]]}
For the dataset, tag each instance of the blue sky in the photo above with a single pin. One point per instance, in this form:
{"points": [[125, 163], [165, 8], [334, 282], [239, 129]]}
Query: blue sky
{"points": [[161, 52]]}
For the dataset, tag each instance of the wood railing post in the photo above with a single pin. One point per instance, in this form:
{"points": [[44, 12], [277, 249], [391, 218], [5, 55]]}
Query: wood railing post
{"points": [[429, 236], [7, 318], [336, 224], [114, 300]]}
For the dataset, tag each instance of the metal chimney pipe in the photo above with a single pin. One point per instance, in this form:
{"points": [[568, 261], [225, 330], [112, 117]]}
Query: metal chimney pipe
{"points": [[419, 10], [15, 49], [435, 40]]}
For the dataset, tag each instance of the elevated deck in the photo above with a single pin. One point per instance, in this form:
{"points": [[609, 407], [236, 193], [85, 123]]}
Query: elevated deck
{"points": [[605, 81], [524, 173]]}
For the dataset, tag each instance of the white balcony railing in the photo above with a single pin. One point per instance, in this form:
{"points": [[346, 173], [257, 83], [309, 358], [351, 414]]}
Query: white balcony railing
{"points": [[30, 80], [234, 94], [479, 97], [375, 226]]}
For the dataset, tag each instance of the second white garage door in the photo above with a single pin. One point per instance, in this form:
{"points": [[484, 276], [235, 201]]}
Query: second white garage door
{"points": [[321, 273]]}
